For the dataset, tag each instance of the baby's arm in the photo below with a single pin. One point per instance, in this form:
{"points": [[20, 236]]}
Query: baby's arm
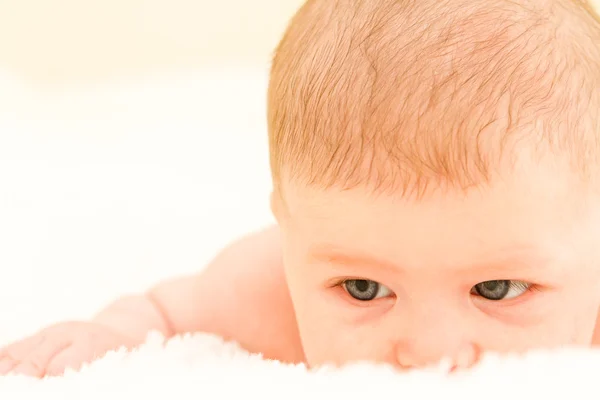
{"points": [[241, 295]]}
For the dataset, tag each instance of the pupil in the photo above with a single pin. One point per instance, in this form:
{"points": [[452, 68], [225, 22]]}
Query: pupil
{"points": [[493, 290], [361, 285]]}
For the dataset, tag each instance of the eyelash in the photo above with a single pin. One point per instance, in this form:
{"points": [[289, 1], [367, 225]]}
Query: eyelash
{"points": [[514, 284], [340, 282]]}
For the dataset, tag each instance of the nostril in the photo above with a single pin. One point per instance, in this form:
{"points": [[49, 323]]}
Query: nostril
{"points": [[466, 358]]}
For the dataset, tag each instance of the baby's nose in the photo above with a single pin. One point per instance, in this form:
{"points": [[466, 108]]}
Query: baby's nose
{"points": [[461, 356], [426, 334]]}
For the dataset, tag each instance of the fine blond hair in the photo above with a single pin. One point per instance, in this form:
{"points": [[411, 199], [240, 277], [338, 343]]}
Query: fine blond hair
{"points": [[400, 95]]}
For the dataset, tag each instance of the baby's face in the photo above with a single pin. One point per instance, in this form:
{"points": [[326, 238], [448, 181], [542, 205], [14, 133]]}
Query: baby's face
{"points": [[508, 267]]}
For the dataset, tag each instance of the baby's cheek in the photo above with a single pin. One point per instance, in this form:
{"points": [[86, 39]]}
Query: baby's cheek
{"points": [[329, 340], [331, 331], [564, 323]]}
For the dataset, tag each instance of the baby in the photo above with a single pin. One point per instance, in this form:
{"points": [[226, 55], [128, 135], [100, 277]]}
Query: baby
{"points": [[436, 170]]}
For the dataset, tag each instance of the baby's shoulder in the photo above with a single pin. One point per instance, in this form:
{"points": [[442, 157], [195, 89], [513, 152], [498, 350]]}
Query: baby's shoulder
{"points": [[263, 298]]}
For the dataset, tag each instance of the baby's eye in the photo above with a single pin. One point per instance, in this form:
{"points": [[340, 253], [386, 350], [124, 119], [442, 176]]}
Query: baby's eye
{"points": [[365, 290], [500, 290]]}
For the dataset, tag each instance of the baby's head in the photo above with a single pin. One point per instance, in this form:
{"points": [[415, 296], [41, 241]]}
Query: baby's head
{"points": [[436, 172]]}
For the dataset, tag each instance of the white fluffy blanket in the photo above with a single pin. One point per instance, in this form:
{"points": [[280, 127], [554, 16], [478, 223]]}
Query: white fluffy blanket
{"points": [[204, 367]]}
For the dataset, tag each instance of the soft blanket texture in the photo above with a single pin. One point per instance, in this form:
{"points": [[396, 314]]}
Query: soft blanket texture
{"points": [[203, 366]]}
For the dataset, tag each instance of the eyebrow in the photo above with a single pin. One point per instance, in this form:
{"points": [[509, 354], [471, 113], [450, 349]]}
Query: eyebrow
{"points": [[517, 259], [334, 255]]}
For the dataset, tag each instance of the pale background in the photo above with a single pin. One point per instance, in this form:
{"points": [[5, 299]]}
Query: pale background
{"points": [[132, 145], [63, 41]]}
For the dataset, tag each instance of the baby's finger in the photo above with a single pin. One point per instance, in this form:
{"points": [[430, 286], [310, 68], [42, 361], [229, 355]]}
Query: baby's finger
{"points": [[6, 365], [72, 358], [37, 361], [14, 353]]}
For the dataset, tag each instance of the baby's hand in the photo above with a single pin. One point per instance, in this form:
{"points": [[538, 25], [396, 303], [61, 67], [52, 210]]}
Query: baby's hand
{"points": [[61, 346]]}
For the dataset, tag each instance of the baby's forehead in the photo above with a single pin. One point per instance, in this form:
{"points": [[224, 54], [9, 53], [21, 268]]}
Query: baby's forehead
{"points": [[541, 211], [445, 240]]}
